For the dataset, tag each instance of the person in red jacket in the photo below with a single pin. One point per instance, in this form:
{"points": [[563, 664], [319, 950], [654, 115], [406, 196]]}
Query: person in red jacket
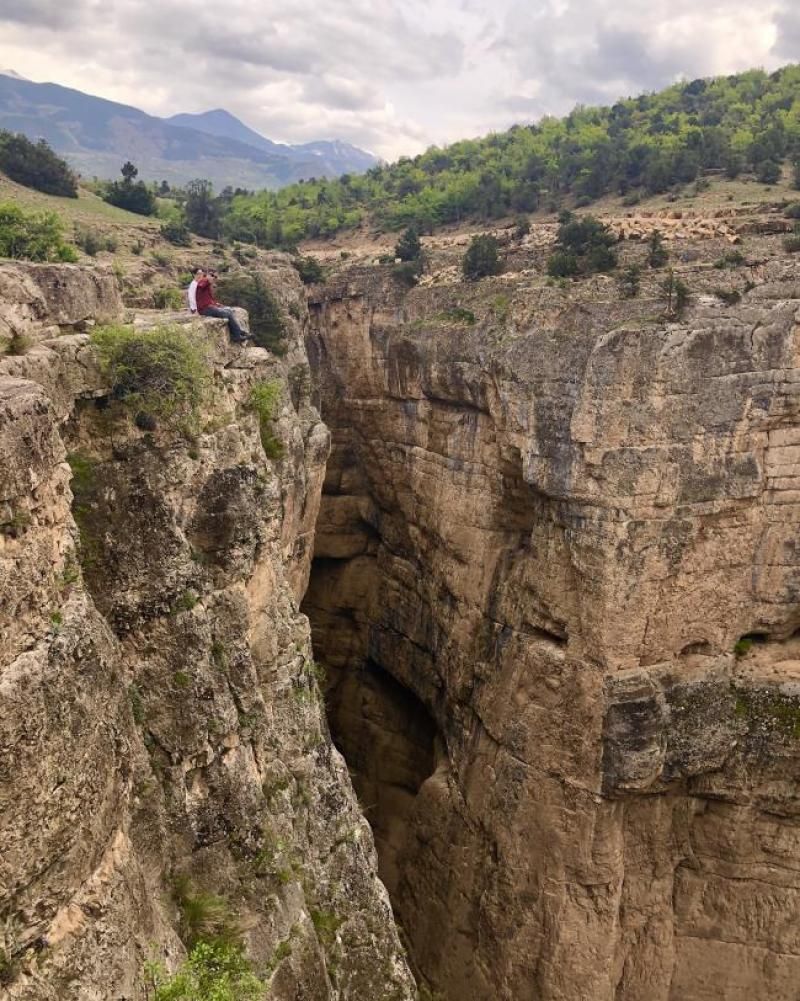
{"points": [[207, 305]]}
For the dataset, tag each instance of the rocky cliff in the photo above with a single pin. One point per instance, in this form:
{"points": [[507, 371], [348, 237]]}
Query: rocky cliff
{"points": [[166, 772], [556, 586]]}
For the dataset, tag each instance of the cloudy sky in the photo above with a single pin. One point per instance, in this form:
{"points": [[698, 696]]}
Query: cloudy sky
{"points": [[390, 77]]}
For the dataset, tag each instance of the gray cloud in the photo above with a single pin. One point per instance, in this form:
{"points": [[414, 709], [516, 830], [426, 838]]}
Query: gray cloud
{"points": [[787, 43], [52, 14], [387, 77]]}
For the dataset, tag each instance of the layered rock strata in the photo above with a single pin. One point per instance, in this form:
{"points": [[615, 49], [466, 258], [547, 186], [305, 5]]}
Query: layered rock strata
{"points": [[568, 529], [162, 741]]}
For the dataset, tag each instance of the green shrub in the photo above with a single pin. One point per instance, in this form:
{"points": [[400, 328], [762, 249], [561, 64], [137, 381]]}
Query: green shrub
{"points": [[408, 247], [35, 165], [161, 372], [657, 253], [161, 258], [407, 273], [522, 227], [457, 315], [267, 323], [629, 282], [137, 248], [264, 400], [242, 254], [768, 172], [168, 298], [730, 259], [729, 296], [309, 269], [35, 236], [742, 646], [92, 241], [792, 211], [676, 295], [176, 232], [482, 258], [212, 972], [562, 264], [792, 243], [584, 244]]}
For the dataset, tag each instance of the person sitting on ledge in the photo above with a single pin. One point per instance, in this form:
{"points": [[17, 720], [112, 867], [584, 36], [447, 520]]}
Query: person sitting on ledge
{"points": [[207, 305]]}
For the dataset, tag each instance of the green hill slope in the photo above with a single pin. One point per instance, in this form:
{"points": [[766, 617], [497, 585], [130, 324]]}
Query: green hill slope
{"points": [[641, 146]]}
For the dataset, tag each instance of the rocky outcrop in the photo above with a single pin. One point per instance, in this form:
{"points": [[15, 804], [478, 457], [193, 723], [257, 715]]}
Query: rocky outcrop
{"points": [[568, 530], [42, 300], [164, 756]]}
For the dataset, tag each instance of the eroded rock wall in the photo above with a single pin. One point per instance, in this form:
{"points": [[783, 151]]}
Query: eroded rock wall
{"points": [[552, 526], [161, 729]]}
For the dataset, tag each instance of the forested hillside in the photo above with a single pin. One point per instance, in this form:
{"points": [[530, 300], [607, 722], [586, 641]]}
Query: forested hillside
{"points": [[648, 144]]}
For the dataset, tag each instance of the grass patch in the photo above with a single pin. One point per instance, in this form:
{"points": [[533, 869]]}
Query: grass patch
{"points": [[205, 917], [264, 400], [326, 924], [18, 344]]}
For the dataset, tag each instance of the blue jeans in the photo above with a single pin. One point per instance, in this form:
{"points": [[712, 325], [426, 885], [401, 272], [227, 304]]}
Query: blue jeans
{"points": [[223, 313]]}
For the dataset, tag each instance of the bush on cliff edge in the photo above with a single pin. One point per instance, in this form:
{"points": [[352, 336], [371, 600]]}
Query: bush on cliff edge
{"points": [[162, 373]]}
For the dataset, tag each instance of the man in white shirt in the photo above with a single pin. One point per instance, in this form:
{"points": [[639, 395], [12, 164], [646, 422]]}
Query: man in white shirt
{"points": [[192, 290]]}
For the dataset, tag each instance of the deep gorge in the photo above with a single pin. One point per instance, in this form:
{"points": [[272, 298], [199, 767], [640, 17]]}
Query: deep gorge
{"points": [[509, 527], [549, 559]]}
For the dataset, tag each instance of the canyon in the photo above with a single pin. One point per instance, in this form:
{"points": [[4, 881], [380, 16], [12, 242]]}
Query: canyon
{"points": [[555, 585], [509, 628]]}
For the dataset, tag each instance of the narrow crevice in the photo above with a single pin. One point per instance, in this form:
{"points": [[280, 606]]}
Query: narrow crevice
{"points": [[388, 740]]}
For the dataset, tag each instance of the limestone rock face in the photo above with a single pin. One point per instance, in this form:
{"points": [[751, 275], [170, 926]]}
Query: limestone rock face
{"points": [[37, 300], [162, 735], [552, 529]]}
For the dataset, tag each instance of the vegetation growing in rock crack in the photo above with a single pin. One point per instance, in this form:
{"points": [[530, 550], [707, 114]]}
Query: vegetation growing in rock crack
{"points": [[161, 372], [212, 972], [264, 399]]}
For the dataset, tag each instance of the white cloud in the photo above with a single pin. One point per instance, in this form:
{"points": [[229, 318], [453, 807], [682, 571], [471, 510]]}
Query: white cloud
{"points": [[391, 78]]}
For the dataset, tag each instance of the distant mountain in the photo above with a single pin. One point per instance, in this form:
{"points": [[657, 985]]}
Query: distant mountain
{"points": [[225, 125], [332, 156], [97, 136]]}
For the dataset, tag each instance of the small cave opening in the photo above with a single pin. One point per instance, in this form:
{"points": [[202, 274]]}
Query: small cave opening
{"points": [[389, 741]]}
